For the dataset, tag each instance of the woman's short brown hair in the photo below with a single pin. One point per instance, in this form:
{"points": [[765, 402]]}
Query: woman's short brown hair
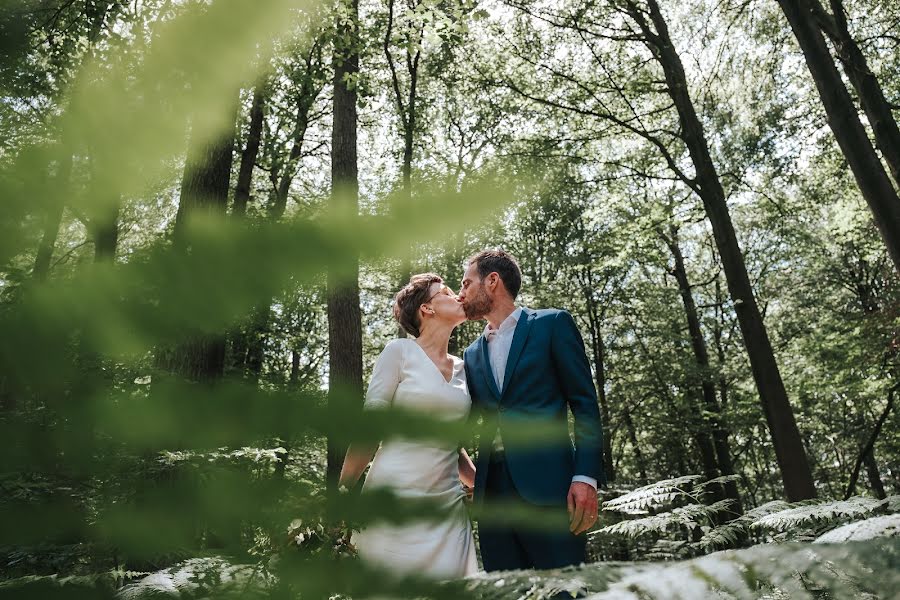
{"points": [[408, 300]]}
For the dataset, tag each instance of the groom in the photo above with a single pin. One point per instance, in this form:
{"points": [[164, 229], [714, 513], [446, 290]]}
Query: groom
{"points": [[524, 371]]}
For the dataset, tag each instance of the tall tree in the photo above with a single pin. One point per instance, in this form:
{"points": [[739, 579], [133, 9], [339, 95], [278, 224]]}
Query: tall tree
{"points": [[868, 89], [789, 449], [250, 151], [647, 26], [345, 384], [710, 409], [851, 136]]}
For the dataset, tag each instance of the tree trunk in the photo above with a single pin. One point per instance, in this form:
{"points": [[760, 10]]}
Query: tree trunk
{"points": [[204, 186], [106, 233], [792, 460], [408, 116], [345, 387], [869, 448], [636, 447], [250, 152], [874, 475], [204, 190], [713, 422], [290, 167], [844, 121], [599, 354], [871, 96], [53, 218]]}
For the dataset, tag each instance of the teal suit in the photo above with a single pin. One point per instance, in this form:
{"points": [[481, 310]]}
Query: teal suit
{"points": [[547, 371]]}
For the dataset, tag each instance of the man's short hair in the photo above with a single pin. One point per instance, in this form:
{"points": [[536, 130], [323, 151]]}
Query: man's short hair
{"points": [[502, 263]]}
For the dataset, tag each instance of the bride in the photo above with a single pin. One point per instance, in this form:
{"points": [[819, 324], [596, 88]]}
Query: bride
{"points": [[419, 375]]}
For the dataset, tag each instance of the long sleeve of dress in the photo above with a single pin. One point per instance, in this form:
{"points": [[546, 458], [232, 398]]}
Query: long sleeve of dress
{"points": [[385, 377]]}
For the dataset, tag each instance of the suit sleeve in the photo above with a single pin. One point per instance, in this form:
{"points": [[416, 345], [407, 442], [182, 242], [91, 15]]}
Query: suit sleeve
{"points": [[571, 363], [385, 377]]}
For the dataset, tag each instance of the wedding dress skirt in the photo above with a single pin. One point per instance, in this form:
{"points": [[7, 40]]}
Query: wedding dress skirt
{"points": [[405, 377]]}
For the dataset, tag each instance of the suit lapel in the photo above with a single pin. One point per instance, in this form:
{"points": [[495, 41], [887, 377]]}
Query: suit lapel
{"points": [[518, 343], [486, 367]]}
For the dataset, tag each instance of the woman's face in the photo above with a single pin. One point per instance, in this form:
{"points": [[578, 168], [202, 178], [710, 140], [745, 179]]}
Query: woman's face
{"points": [[444, 303]]}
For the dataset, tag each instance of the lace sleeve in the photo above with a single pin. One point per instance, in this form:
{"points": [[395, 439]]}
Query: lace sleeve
{"points": [[385, 377]]}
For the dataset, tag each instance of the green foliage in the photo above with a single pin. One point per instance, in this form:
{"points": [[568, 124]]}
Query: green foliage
{"points": [[113, 466]]}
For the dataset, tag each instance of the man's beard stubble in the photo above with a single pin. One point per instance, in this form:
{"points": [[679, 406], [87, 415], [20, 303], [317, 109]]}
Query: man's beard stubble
{"points": [[479, 306]]}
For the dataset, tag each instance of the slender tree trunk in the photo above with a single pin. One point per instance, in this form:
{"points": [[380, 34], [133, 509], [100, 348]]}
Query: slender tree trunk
{"points": [[869, 448], [844, 121], [599, 354], [871, 96], [792, 460], [345, 388], [635, 446], [408, 116], [53, 218], [713, 420], [250, 152], [290, 167]]}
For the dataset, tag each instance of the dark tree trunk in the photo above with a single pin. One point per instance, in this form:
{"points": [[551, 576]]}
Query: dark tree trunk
{"points": [[635, 445], [871, 96], [295, 369], [869, 448], [106, 235], [204, 187], [204, 191], [279, 205], [844, 121], [792, 460], [345, 388], [595, 318], [53, 218], [250, 152], [256, 344], [713, 421], [874, 475]]}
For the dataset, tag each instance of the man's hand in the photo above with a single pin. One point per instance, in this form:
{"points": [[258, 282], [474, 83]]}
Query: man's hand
{"points": [[582, 504]]}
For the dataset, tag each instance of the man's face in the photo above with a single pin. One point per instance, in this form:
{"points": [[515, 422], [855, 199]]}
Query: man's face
{"points": [[474, 298]]}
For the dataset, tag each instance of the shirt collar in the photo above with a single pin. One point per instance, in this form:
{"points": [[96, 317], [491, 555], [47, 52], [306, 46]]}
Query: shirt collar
{"points": [[509, 323]]}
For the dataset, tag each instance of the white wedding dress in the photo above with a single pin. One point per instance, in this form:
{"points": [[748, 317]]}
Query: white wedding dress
{"points": [[406, 378]]}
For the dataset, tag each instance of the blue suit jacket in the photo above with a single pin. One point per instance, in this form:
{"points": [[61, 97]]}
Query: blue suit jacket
{"points": [[546, 372]]}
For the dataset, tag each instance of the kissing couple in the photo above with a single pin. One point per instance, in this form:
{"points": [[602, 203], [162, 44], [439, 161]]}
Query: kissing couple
{"points": [[525, 370]]}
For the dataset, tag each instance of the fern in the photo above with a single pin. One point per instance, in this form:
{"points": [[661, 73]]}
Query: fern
{"points": [[737, 531], [690, 516], [807, 515], [874, 527], [652, 497], [792, 571]]}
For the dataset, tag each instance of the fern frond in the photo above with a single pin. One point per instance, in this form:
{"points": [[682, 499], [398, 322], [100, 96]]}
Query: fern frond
{"points": [[818, 514], [692, 515], [651, 497], [722, 480], [874, 527], [728, 535]]}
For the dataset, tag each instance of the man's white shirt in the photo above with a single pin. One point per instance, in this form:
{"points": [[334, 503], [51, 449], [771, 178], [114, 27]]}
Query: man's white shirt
{"points": [[499, 342]]}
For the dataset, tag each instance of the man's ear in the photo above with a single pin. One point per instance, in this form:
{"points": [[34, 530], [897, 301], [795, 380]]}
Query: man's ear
{"points": [[494, 282]]}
